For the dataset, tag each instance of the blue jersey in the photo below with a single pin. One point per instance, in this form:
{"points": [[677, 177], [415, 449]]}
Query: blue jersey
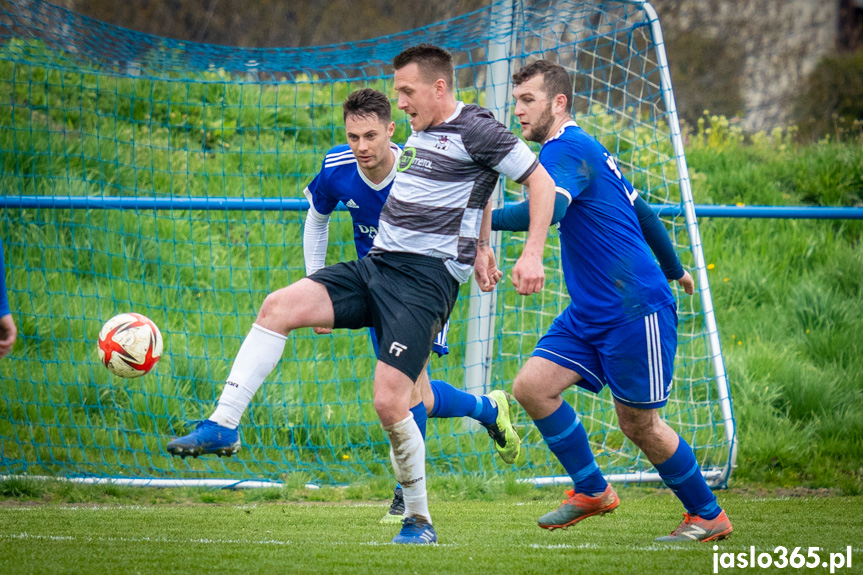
{"points": [[609, 270], [342, 180]]}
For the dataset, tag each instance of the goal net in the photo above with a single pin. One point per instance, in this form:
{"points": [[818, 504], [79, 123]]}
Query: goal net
{"points": [[162, 177]]}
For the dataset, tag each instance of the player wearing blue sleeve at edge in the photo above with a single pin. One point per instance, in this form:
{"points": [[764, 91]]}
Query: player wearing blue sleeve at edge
{"points": [[8, 331], [360, 175], [620, 329]]}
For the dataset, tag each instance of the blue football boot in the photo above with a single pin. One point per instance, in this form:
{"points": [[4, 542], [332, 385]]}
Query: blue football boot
{"points": [[208, 437], [416, 531]]}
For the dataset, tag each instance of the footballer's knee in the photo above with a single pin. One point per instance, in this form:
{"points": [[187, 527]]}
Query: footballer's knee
{"points": [[275, 312], [639, 425], [529, 393]]}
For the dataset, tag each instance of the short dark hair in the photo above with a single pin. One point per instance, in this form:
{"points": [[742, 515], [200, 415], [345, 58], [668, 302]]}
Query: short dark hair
{"points": [[555, 79], [433, 61], [367, 102]]}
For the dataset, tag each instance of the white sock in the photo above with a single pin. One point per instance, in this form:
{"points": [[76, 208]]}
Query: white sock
{"points": [[408, 455], [261, 351]]}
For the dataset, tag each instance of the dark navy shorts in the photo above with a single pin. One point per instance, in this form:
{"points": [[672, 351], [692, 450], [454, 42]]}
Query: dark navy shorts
{"points": [[406, 298]]}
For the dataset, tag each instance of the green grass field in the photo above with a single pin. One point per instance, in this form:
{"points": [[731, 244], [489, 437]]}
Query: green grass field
{"points": [[140, 531]]}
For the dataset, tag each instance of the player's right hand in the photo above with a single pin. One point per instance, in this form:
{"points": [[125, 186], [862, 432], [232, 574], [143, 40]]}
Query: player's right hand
{"points": [[528, 275], [486, 271], [322, 330]]}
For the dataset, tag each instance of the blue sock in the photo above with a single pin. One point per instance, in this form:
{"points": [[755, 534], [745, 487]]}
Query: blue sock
{"points": [[420, 416], [452, 402], [567, 439], [680, 472]]}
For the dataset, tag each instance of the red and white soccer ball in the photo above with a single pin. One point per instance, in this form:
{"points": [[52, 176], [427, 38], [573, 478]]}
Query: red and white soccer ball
{"points": [[130, 345]]}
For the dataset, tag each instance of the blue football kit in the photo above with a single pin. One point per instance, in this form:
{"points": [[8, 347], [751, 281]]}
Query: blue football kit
{"points": [[341, 180], [620, 328]]}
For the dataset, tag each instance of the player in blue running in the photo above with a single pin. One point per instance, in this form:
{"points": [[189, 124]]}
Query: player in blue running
{"points": [[360, 175], [620, 328]]}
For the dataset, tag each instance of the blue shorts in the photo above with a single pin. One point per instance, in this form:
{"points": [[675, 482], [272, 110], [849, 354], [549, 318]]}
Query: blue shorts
{"points": [[439, 346], [635, 360]]}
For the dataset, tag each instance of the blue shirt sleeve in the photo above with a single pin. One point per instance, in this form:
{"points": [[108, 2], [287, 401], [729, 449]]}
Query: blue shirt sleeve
{"points": [[657, 238], [320, 197], [4, 301], [517, 218]]}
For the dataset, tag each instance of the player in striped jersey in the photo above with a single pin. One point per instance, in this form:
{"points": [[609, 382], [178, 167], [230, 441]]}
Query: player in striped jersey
{"points": [[360, 175], [620, 328], [434, 228]]}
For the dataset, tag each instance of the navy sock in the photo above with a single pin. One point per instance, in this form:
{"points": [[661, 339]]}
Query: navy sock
{"points": [[452, 402], [680, 472], [420, 417], [567, 439]]}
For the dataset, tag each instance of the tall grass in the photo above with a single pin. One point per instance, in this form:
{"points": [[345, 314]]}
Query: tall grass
{"points": [[788, 297]]}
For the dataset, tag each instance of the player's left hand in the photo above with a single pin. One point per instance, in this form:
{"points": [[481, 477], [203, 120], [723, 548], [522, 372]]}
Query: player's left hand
{"points": [[687, 283]]}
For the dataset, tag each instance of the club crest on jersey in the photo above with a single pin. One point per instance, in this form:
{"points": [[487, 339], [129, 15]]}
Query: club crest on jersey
{"points": [[442, 143]]}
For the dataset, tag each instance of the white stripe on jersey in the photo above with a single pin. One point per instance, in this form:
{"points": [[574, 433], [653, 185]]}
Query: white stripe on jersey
{"points": [[412, 241], [339, 155], [470, 224], [344, 162]]}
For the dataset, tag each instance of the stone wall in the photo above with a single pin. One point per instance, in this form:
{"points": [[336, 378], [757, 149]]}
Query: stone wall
{"points": [[781, 42]]}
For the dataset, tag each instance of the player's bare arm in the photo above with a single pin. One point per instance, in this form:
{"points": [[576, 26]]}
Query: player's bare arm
{"points": [[528, 274], [486, 271]]}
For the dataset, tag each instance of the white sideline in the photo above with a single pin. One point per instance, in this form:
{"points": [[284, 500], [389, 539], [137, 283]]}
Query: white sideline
{"points": [[158, 482], [710, 476]]}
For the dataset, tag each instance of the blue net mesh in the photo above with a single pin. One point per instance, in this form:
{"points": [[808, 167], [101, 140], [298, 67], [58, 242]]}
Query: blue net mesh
{"points": [[227, 138]]}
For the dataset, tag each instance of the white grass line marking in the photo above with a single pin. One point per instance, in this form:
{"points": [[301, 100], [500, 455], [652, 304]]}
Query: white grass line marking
{"points": [[203, 540]]}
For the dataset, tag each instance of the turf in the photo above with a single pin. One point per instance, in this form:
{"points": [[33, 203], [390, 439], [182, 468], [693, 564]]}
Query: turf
{"points": [[498, 536]]}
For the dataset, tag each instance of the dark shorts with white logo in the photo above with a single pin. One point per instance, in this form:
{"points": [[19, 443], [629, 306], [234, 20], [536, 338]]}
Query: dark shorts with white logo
{"points": [[406, 297]]}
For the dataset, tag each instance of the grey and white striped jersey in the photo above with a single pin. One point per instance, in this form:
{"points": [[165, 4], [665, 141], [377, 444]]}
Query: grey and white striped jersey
{"points": [[446, 175]]}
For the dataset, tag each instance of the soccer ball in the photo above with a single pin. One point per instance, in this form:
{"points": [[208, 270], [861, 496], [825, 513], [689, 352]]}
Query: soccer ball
{"points": [[130, 345]]}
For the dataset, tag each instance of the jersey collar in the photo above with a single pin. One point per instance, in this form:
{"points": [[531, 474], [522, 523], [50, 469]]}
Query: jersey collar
{"points": [[569, 124], [458, 108], [397, 152]]}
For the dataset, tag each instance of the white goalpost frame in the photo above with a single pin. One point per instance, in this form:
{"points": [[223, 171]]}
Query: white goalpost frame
{"points": [[482, 306], [695, 246]]}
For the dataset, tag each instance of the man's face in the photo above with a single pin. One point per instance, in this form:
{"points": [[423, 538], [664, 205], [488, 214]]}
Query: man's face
{"points": [[369, 139], [417, 97], [533, 109]]}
